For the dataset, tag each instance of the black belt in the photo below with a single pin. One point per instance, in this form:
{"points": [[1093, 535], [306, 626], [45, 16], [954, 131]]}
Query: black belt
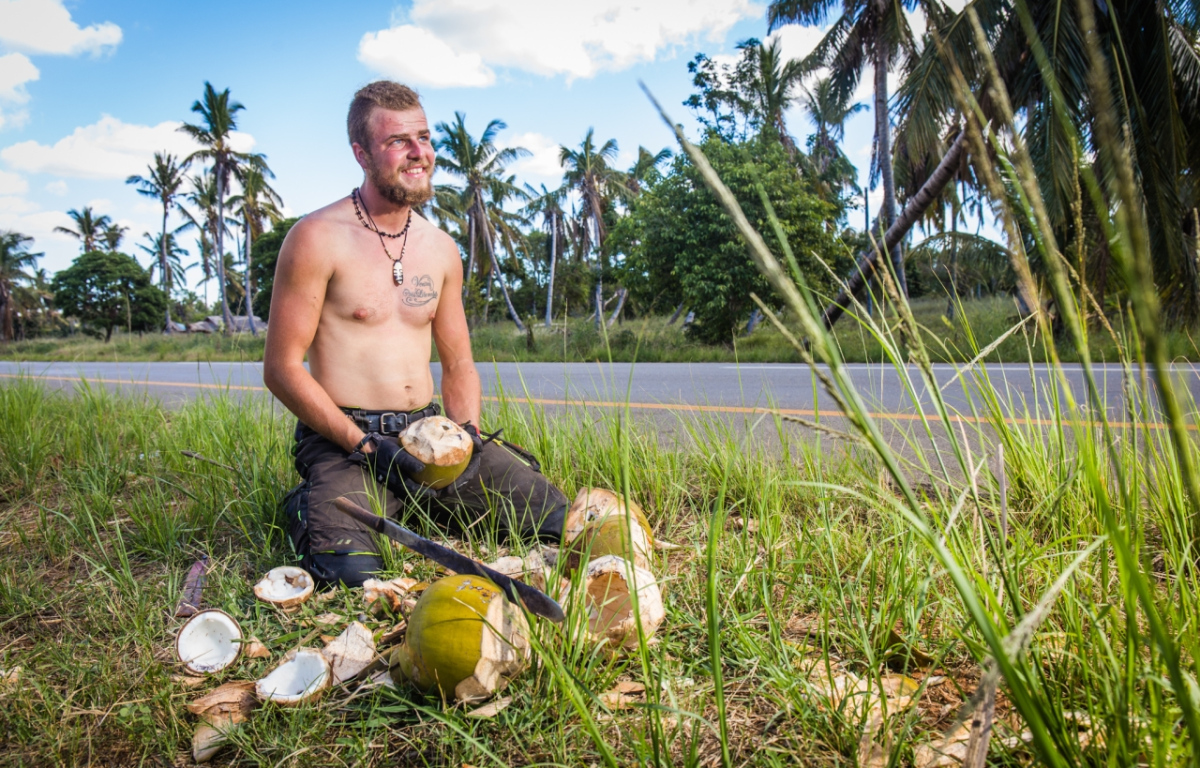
{"points": [[388, 422]]}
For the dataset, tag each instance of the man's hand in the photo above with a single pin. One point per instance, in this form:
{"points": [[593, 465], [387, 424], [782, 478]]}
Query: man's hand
{"points": [[392, 466]]}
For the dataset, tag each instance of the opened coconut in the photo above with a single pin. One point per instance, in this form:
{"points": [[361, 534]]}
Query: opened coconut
{"points": [[302, 676], [210, 641], [286, 586], [613, 535], [442, 445], [609, 586], [595, 505], [464, 638]]}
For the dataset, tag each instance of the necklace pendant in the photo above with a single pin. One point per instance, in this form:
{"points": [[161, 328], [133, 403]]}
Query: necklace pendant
{"points": [[398, 273]]}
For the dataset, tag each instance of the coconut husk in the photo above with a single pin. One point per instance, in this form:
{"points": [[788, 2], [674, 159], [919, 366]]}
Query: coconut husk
{"points": [[350, 653], [221, 710], [256, 650], [608, 585], [390, 595]]}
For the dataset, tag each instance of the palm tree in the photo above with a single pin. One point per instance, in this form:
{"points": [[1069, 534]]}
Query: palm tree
{"points": [[868, 33], [644, 168], [89, 227], [259, 204], [163, 183], [548, 204], [770, 85], [480, 164], [208, 218], [167, 255], [218, 121], [112, 236], [589, 172], [1155, 83], [15, 258]]}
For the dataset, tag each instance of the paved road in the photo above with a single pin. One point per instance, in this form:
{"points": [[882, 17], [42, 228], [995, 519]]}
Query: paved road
{"points": [[715, 389]]}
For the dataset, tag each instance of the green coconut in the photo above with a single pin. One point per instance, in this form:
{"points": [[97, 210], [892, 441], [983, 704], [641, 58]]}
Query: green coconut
{"points": [[613, 535], [464, 638], [442, 446], [595, 505]]}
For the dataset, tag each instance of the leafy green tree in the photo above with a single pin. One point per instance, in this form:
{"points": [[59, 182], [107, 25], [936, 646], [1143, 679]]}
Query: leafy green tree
{"points": [[262, 266], [214, 134], [680, 246], [164, 183], [15, 260], [481, 164], [106, 290], [89, 228]]}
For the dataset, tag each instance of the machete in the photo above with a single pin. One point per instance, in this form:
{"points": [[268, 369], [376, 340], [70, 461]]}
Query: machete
{"points": [[518, 592]]}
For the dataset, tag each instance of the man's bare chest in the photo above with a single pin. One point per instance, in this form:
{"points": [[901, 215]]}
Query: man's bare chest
{"points": [[363, 289]]}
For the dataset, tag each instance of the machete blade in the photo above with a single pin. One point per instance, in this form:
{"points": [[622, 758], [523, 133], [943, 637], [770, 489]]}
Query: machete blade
{"points": [[536, 601]]}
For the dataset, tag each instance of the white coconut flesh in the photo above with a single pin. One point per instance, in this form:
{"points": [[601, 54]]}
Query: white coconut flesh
{"points": [[285, 586], [610, 607], [437, 440], [210, 641], [303, 674]]}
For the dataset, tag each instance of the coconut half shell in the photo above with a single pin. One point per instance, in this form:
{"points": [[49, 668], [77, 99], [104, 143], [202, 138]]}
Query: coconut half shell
{"points": [[302, 676], [221, 711], [442, 446], [464, 638], [210, 641], [286, 586], [594, 505], [610, 610]]}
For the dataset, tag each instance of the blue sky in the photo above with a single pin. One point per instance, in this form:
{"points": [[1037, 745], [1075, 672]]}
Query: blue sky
{"points": [[90, 89]]}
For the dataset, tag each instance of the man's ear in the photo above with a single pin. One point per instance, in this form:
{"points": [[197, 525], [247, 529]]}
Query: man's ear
{"points": [[360, 155]]}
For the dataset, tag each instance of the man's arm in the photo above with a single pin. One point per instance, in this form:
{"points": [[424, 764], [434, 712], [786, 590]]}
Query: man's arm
{"points": [[460, 381], [301, 277]]}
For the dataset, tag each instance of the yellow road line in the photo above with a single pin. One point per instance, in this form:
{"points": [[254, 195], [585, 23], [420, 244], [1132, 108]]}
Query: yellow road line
{"points": [[735, 409]]}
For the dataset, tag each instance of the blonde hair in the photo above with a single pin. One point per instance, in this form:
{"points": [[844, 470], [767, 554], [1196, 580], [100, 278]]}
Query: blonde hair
{"points": [[385, 94]]}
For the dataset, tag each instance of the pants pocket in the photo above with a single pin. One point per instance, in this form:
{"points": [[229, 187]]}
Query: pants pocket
{"points": [[295, 513]]}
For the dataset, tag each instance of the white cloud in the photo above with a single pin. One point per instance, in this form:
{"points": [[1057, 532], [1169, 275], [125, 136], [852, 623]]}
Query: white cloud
{"points": [[107, 149], [15, 71], [796, 42], [544, 37], [542, 164], [58, 188], [417, 56], [45, 26], [12, 184]]}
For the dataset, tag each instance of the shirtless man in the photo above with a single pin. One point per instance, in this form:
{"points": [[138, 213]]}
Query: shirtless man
{"points": [[363, 286]]}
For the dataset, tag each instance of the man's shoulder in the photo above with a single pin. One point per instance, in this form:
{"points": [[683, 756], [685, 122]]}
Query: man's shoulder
{"points": [[319, 227]]}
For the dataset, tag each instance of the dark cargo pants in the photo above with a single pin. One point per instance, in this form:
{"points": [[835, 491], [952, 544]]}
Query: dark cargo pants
{"points": [[509, 492]]}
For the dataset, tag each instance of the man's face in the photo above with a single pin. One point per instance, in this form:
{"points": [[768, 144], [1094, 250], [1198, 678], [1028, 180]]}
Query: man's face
{"points": [[399, 163]]}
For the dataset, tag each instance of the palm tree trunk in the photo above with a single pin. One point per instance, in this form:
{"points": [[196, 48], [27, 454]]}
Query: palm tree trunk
{"points": [[621, 296], [867, 232], [219, 240], [917, 205], [512, 311], [883, 133], [249, 297], [470, 251], [6, 302], [953, 303], [162, 265], [553, 259], [675, 315]]}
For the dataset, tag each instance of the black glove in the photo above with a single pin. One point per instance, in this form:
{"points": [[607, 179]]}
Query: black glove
{"points": [[391, 465]]}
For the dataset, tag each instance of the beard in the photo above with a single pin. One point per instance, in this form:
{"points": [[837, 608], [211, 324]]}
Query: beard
{"points": [[394, 192]]}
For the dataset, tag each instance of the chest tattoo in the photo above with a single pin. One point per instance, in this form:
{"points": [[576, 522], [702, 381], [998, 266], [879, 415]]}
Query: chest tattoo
{"points": [[419, 292]]}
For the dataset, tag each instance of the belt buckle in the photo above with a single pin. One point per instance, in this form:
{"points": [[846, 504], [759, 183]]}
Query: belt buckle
{"points": [[383, 417]]}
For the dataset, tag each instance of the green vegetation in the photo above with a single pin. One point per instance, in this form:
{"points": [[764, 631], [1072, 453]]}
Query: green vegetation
{"points": [[106, 289]]}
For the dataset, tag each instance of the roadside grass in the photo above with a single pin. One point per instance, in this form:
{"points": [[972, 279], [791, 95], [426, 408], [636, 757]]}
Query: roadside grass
{"points": [[653, 340], [818, 570]]}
